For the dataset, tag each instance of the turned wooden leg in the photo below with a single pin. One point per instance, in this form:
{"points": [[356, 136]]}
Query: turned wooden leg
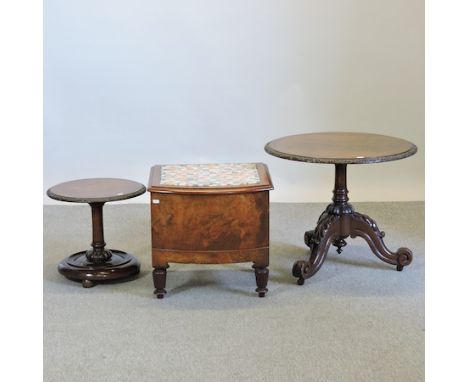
{"points": [[159, 280], [365, 227], [99, 254], [320, 240], [261, 277]]}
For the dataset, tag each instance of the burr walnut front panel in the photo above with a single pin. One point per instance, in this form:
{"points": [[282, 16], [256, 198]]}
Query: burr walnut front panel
{"points": [[210, 222]]}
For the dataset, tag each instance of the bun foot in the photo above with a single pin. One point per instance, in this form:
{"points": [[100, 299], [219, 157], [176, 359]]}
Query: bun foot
{"points": [[297, 271], [399, 268], [87, 283]]}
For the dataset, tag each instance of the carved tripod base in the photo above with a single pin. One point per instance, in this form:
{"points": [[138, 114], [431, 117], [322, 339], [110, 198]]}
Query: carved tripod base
{"points": [[338, 222]]}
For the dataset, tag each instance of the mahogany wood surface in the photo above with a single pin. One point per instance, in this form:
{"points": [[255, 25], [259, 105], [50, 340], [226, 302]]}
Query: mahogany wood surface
{"points": [[96, 190], [210, 222], [98, 263], [161, 257], [339, 220], [336, 147], [210, 225]]}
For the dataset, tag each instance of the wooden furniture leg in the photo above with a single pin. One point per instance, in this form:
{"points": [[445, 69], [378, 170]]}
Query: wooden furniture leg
{"points": [[261, 277], [319, 241], [159, 280], [365, 227], [98, 254]]}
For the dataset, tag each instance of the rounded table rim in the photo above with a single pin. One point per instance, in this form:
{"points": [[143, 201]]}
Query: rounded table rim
{"points": [[71, 199], [324, 160]]}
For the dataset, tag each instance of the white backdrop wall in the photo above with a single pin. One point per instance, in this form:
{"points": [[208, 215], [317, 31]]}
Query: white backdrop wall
{"points": [[132, 83]]}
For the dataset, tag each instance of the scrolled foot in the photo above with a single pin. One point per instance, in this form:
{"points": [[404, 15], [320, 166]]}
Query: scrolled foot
{"points": [[365, 227], [300, 268], [87, 283], [404, 257], [297, 268]]}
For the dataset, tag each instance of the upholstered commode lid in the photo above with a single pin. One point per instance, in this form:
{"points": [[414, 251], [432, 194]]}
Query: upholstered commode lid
{"points": [[209, 178]]}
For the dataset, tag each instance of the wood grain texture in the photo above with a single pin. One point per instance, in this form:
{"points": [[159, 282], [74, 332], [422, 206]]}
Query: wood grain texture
{"points": [[257, 255], [344, 148], [96, 190], [210, 222]]}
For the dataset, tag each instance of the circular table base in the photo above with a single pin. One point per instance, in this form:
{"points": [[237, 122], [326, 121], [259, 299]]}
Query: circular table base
{"points": [[78, 267]]}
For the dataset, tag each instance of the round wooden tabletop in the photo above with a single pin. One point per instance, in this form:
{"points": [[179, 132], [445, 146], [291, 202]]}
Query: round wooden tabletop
{"points": [[340, 148], [96, 190]]}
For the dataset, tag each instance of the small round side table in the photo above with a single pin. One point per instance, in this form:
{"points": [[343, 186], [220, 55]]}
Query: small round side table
{"points": [[98, 263], [339, 220]]}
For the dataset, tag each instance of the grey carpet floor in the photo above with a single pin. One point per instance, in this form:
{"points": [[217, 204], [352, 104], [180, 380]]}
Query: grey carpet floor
{"points": [[357, 319]]}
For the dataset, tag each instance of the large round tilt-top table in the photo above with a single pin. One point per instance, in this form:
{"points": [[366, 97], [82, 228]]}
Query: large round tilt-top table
{"points": [[339, 220], [97, 263]]}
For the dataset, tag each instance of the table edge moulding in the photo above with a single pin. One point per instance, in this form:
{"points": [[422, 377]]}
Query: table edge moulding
{"points": [[274, 148]]}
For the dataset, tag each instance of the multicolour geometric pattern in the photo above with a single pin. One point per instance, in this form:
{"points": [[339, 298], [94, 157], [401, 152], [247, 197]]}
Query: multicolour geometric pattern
{"points": [[210, 175]]}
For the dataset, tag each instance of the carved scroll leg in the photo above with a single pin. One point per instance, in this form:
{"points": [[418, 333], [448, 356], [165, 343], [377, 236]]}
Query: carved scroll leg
{"points": [[261, 277], [365, 227], [326, 232], [159, 279], [308, 235]]}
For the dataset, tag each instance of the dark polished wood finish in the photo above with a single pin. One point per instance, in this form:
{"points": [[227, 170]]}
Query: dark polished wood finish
{"points": [[345, 148], [339, 220], [98, 263], [95, 190], [210, 226]]}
